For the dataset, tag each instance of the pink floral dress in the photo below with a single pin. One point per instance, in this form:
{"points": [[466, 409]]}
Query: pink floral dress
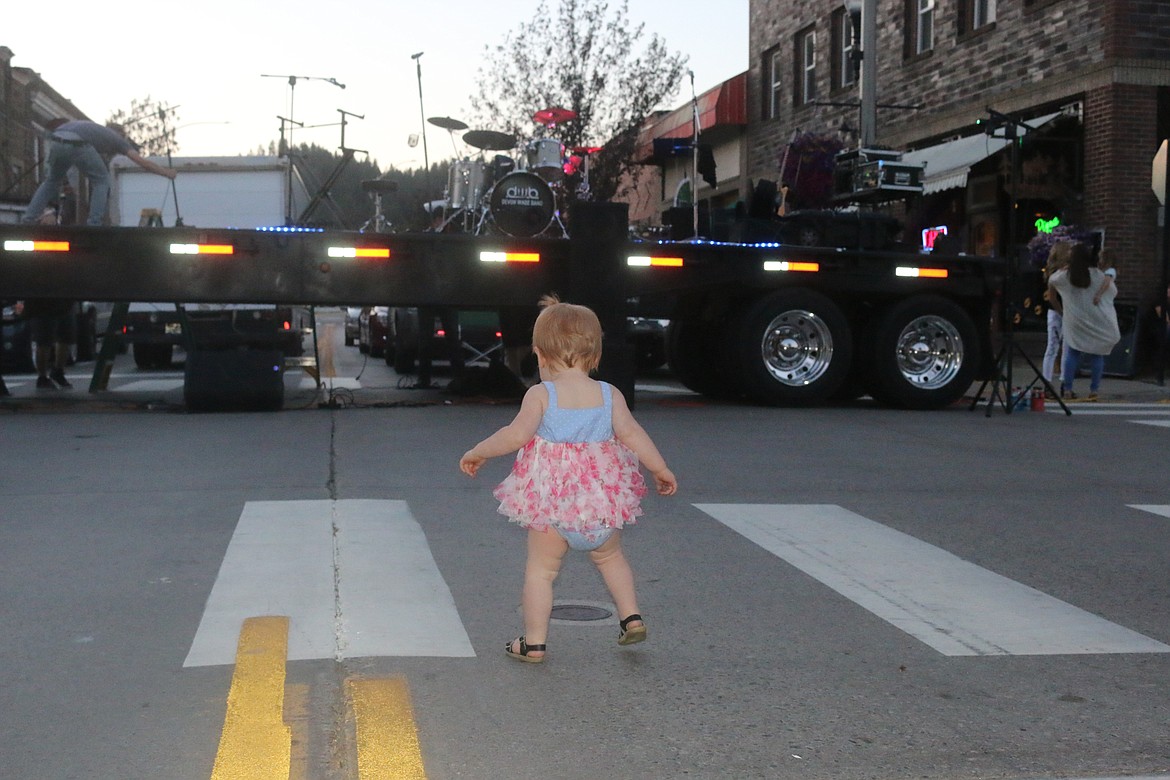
{"points": [[574, 475]]}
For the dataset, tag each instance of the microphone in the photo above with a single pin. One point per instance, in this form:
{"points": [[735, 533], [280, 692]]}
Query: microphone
{"points": [[336, 83], [416, 56], [691, 73]]}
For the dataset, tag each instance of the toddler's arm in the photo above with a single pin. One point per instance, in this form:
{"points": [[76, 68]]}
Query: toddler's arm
{"points": [[512, 436], [630, 433]]}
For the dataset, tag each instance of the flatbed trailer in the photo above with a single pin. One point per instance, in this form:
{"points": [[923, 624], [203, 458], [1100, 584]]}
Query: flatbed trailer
{"points": [[770, 323]]}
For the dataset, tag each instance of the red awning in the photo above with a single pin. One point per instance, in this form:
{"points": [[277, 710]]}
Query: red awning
{"points": [[724, 104]]}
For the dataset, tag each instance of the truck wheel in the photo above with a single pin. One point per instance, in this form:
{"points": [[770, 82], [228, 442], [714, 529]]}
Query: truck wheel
{"points": [[794, 348], [404, 359], [152, 355], [925, 353], [694, 353]]}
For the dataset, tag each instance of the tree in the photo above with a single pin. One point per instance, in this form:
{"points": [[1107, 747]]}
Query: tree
{"points": [[587, 60], [150, 124]]}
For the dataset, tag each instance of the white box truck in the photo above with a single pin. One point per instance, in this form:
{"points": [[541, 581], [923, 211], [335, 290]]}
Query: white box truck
{"points": [[245, 192]]}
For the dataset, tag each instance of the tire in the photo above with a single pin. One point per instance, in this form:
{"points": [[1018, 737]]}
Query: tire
{"points": [[404, 360], [925, 353], [348, 340], [696, 356], [794, 348], [152, 355]]}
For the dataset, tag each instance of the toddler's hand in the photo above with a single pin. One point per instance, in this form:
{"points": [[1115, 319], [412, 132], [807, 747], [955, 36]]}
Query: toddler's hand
{"points": [[469, 464], [665, 482]]}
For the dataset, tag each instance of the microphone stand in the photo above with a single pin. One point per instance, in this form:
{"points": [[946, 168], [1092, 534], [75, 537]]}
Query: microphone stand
{"points": [[423, 114], [694, 159]]}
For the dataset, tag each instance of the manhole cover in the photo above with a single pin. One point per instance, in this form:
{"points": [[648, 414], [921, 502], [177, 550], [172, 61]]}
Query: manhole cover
{"points": [[579, 612]]}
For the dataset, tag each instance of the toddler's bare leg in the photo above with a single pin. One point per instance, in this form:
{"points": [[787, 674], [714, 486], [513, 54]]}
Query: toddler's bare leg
{"points": [[619, 577], [546, 549]]}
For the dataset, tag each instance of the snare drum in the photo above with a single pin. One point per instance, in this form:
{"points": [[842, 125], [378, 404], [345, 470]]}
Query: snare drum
{"points": [[545, 158], [465, 182], [521, 204]]}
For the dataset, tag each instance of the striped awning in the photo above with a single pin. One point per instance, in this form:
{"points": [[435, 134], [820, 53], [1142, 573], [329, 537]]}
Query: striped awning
{"points": [[946, 165]]}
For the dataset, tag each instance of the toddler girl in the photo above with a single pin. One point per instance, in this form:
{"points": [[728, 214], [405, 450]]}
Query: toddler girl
{"points": [[575, 482]]}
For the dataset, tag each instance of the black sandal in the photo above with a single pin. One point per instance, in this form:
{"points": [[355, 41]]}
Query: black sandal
{"points": [[632, 636], [525, 649]]}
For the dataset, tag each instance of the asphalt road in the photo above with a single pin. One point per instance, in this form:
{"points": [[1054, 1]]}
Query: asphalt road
{"points": [[797, 638]]}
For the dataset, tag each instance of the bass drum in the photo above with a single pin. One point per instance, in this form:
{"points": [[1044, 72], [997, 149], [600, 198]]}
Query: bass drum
{"points": [[522, 204]]}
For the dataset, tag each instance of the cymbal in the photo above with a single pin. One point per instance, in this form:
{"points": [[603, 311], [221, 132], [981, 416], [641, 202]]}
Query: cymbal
{"points": [[447, 123], [489, 139], [585, 149], [553, 116]]}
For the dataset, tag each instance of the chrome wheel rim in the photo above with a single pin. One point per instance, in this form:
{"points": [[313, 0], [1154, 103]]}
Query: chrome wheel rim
{"points": [[797, 348], [929, 352]]}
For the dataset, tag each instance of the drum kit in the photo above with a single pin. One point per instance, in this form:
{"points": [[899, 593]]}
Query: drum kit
{"points": [[518, 197]]}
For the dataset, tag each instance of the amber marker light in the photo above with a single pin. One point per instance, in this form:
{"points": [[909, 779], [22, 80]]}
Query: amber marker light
{"points": [[646, 261], [202, 249], [787, 265], [36, 246], [509, 257], [922, 273], [379, 252]]}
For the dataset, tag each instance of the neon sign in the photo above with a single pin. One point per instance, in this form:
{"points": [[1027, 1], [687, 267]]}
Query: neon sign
{"points": [[931, 235], [1047, 225]]}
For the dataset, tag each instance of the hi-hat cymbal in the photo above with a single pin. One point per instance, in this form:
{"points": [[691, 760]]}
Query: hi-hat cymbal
{"points": [[447, 123], [585, 149], [489, 139], [553, 116]]}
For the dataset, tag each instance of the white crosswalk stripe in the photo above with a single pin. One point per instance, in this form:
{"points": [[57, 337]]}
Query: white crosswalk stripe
{"points": [[1157, 509], [952, 605], [356, 578]]}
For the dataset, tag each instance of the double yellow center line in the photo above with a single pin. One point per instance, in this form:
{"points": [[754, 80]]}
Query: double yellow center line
{"points": [[256, 744]]}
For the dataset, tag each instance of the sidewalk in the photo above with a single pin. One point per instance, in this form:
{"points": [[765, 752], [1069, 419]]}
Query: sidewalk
{"points": [[1142, 388]]}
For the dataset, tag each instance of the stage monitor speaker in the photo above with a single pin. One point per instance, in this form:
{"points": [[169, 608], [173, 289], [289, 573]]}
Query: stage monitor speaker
{"points": [[241, 379], [1122, 361]]}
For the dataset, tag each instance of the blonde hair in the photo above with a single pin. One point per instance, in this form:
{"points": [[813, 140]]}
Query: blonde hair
{"points": [[567, 334], [1058, 257]]}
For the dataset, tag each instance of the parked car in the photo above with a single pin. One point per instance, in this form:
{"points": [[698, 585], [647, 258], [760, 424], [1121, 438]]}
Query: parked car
{"points": [[352, 324], [479, 336], [373, 327]]}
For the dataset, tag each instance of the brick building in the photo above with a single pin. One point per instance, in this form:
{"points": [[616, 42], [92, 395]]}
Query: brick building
{"points": [[1090, 77], [27, 102]]}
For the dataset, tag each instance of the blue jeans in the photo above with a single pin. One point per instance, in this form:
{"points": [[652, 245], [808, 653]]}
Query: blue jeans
{"points": [[90, 164], [1068, 368]]}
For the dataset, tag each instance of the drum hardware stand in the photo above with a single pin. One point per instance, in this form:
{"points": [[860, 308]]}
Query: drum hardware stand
{"points": [[1003, 361]]}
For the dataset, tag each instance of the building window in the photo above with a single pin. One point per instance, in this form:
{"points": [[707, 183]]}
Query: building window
{"points": [[975, 15], [919, 27], [806, 67], [773, 80], [844, 72], [984, 13]]}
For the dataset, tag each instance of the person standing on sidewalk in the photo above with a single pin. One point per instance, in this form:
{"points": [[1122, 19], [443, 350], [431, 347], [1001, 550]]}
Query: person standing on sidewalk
{"points": [[1089, 328], [1057, 259], [81, 144]]}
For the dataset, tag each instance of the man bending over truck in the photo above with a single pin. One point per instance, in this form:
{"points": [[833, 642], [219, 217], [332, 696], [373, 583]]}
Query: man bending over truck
{"points": [[81, 144]]}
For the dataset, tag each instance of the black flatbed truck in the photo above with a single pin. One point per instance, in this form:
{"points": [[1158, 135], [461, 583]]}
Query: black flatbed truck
{"points": [[770, 323]]}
